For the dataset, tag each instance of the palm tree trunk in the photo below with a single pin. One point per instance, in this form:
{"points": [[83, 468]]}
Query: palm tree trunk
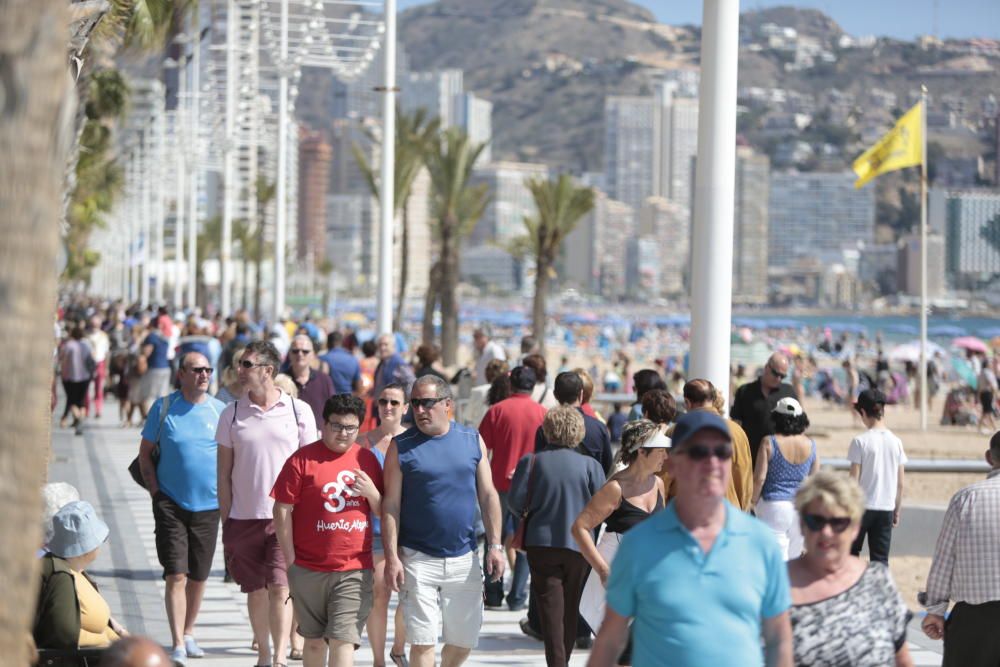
{"points": [[246, 278], [542, 268], [449, 302], [34, 132], [404, 268], [431, 301]]}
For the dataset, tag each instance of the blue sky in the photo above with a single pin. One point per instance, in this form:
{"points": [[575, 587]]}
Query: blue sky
{"points": [[903, 19]]}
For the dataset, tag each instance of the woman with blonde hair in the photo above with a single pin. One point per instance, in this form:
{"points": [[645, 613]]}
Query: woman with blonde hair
{"points": [[549, 490], [844, 611]]}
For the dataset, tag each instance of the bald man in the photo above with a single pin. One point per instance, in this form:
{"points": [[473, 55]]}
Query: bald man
{"points": [[135, 652], [755, 400]]}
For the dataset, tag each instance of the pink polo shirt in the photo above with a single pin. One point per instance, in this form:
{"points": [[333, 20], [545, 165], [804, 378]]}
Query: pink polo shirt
{"points": [[261, 441]]}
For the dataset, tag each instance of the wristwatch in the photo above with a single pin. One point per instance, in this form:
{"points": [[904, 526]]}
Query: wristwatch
{"points": [[496, 547]]}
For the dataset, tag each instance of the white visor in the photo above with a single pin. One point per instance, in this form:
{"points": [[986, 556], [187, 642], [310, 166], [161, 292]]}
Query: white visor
{"points": [[658, 440]]}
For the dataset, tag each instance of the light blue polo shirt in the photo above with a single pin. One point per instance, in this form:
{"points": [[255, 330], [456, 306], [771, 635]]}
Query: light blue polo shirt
{"points": [[187, 469], [693, 609]]}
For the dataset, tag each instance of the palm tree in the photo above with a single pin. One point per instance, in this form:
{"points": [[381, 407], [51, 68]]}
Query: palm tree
{"points": [[560, 204], [209, 240], [34, 136], [415, 135], [457, 207], [245, 236]]}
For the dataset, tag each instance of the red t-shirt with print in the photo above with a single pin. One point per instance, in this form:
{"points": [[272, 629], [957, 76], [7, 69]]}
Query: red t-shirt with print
{"points": [[331, 523]]}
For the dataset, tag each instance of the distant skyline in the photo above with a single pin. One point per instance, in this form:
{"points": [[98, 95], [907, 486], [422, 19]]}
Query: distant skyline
{"points": [[902, 19]]}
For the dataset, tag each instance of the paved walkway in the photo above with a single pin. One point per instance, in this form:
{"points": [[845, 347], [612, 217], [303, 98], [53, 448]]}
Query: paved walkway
{"points": [[129, 575]]}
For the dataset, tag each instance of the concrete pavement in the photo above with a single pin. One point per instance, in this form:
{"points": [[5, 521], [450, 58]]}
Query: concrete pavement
{"points": [[129, 575]]}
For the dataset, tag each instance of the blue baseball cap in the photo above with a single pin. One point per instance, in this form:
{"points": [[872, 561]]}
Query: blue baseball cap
{"points": [[76, 530], [695, 421]]}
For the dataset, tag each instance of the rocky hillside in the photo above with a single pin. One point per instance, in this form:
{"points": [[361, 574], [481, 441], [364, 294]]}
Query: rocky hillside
{"points": [[547, 66]]}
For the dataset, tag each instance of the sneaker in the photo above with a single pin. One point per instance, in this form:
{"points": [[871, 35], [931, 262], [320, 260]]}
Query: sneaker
{"points": [[179, 657], [584, 643], [192, 648]]}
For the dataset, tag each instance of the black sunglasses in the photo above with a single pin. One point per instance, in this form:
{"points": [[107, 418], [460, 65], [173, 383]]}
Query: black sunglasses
{"points": [[299, 351], [700, 452], [780, 376], [816, 522], [425, 403], [245, 363], [197, 370], [389, 401]]}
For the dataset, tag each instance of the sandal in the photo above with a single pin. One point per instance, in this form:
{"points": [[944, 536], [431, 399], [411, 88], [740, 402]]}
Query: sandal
{"points": [[399, 659], [295, 654]]}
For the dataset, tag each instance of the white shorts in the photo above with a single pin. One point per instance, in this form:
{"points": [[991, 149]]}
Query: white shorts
{"points": [[781, 517], [436, 590]]}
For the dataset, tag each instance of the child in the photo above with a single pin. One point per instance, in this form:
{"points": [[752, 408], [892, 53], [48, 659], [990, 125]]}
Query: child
{"points": [[877, 460]]}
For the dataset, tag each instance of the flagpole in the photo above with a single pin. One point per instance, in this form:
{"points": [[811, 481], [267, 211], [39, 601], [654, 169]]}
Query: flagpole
{"points": [[923, 260]]}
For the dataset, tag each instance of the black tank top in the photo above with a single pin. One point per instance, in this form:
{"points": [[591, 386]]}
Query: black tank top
{"points": [[627, 515]]}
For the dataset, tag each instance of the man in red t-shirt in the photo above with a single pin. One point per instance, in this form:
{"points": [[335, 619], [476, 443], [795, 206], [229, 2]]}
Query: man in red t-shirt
{"points": [[508, 429], [325, 497]]}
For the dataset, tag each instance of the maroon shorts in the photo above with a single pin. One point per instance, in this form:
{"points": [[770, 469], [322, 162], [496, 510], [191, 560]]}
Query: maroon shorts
{"points": [[253, 555]]}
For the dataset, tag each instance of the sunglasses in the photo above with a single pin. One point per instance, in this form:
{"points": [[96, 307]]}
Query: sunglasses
{"points": [[780, 376], [425, 403], [816, 522], [343, 428], [389, 401], [700, 452], [198, 370], [249, 364], [299, 351]]}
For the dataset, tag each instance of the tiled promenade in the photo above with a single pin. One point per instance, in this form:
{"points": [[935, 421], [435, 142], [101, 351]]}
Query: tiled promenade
{"points": [[129, 574]]}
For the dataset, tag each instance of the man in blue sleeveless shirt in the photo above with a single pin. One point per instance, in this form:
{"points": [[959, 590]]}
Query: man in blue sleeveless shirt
{"points": [[435, 473]]}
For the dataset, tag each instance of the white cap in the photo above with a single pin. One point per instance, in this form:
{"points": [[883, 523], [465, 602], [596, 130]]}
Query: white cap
{"points": [[788, 406], [658, 441]]}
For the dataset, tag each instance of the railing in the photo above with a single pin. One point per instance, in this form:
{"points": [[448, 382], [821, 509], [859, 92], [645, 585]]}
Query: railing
{"points": [[923, 465]]}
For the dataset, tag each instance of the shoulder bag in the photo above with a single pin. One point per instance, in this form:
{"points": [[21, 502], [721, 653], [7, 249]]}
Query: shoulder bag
{"points": [[133, 468], [517, 542]]}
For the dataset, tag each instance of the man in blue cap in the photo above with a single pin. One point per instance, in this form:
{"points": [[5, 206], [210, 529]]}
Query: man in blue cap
{"points": [[698, 571]]}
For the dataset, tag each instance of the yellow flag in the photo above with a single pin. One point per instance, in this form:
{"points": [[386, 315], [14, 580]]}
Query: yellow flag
{"points": [[902, 146]]}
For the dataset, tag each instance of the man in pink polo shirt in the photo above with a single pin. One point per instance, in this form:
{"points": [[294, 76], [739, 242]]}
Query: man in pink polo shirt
{"points": [[256, 435]]}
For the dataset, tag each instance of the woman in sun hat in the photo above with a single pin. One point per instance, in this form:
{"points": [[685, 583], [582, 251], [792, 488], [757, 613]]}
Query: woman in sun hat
{"points": [[785, 460], [71, 612]]}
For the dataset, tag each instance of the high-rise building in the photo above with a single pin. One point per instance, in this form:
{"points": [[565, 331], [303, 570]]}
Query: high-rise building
{"points": [[642, 262], [595, 254], [510, 200], [909, 265], [678, 133], [750, 228], [631, 137], [817, 215], [440, 92], [667, 223], [344, 216], [476, 117], [970, 223], [314, 175]]}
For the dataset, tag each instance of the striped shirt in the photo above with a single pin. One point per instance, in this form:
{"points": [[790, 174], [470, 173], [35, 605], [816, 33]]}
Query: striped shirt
{"points": [[965, 566]]}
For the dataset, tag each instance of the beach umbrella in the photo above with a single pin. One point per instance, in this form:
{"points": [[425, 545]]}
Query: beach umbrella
{"points": [[969, 343], [911, 351]]}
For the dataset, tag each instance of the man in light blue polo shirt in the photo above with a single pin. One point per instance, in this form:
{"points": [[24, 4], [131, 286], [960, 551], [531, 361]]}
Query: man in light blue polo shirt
{"points": [[183, 485], [702, 581]]}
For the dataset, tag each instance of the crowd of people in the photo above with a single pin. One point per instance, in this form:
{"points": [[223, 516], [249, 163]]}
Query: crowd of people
{"points": [[340, 473]]}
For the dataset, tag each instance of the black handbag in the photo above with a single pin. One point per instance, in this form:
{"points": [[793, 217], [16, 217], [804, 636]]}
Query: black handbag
{"points": [[134, 468]]}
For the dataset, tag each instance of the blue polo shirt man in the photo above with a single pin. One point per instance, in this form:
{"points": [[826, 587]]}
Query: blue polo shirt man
{"points": [[345, 370], [702, 581]]}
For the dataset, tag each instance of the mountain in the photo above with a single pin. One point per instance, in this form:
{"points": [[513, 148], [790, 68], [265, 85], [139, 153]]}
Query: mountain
{"points": [[546, 65]]}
